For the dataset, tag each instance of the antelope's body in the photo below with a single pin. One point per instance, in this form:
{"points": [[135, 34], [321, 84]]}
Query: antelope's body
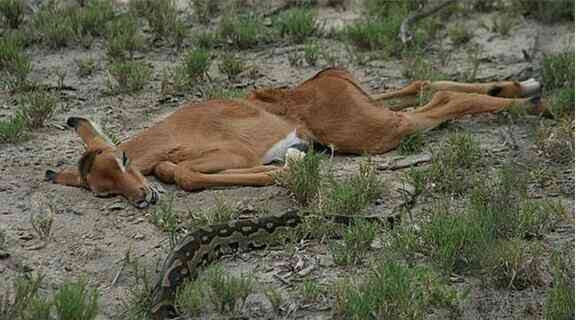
{"points": [[230, 142]]}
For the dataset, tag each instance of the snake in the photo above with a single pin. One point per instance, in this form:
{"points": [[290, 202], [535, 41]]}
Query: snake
{"points": [[206, 244]]}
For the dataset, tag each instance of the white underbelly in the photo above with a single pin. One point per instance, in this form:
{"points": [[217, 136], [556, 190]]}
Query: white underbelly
{"points": [[278, 150]]}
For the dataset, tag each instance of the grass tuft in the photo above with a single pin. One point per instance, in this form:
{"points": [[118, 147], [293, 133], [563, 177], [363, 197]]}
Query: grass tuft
{"points": [[14, 129], [303, 178], [559, 302], [86, 67], [452, 165], [37, 108], [123, 37], [356, 241], [312, 52], [231, 66], [12, 12], [24, 302], [298, 23], [222, 212], [515, 264], [392, 291], [226, 291], [459, 34], [128, 77], [241, 31], [412, 144], [355, 193], [74, 300]]}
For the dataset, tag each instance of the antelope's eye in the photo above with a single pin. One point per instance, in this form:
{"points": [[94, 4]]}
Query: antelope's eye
{"points": [[125, 160]]}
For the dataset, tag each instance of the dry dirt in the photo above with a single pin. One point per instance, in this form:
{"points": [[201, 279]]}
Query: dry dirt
{"points": [[90, 235]]}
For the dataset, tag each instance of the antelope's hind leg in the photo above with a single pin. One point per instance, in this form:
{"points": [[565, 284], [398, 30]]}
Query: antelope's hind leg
{"points": [[446, 105], [504, 89]]}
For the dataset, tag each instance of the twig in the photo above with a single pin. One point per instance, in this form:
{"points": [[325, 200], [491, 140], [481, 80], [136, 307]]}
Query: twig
{"points": [[405, 163], [405, 34]]}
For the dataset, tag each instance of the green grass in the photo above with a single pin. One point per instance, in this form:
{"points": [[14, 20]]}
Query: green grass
{"points": [[392, 291], [195, 65], [303, 178], [165, 218], [163, 19], [241, 31], [412, 144], [12, 12], [222, 212], [61, 26], [231, 66], [37, 108], [204, 10], [559, 304], [557, 70], [74, 300], [453, 163], [355, 245], [205, 40], [311, 290], [515, 264], [216, 288], [312, 52], [128, 77], [503, 24], [490, 232], [351, 195], [298, 23], [15, 65], [136, 304], [190, 298], [14, 129], [379, 29], [459, 34], [373, 33], [451, 240], [226, 290], [24, 300], [86, 67], [123, 37]]}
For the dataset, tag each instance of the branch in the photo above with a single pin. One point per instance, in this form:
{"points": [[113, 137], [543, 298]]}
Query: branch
{"points": [[405, 34]]}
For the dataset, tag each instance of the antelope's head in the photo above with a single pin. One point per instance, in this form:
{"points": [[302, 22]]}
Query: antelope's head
{"points": [[105, 169]]}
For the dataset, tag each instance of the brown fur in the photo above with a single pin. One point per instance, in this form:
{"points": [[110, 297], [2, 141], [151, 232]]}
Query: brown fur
{"points": [[222, 142]]}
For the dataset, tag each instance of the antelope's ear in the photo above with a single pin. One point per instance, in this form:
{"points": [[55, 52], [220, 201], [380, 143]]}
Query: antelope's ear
{"points": [[69, 177], [88, 132]]}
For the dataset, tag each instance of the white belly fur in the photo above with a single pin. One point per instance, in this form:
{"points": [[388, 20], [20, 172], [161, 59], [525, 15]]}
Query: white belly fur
{"points": [[278, 151]]}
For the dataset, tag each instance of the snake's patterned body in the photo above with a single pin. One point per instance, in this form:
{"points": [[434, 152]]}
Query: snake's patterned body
{"points": [[204, 245]]}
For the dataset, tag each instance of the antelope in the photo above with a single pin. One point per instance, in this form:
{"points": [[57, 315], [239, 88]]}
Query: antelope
{"points": [[234, 142]]}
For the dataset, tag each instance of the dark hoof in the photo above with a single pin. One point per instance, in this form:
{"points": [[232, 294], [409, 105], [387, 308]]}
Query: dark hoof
{"points": [[495, 91], [74, 122], [50, 176], [537, 107]]}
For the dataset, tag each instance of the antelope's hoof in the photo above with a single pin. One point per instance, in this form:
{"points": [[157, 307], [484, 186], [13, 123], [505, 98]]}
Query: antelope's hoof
{"points": [[50, 176]]}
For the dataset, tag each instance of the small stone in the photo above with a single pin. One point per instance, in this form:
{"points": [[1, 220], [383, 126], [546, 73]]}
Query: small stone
{"points": [[4, 255], [26, 236], [139, 236], [139, 220], [116, 206]]}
